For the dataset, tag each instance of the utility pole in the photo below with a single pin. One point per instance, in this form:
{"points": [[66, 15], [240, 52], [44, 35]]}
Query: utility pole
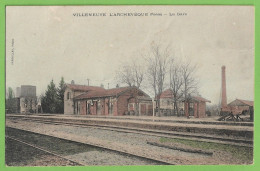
{"points": [[153, 107]]}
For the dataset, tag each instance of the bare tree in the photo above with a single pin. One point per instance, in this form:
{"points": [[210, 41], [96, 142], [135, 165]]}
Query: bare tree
{"points": [[125, 75], [131, 74], [158, 61], [176, 84], [138, 73], [189, 81]]}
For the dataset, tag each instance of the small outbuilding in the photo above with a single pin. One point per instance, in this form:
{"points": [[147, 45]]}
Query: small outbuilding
{"points": [[195, 106], [245, 106], [241, 104]]}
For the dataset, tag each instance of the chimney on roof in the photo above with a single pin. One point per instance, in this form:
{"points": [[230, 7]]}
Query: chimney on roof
{"points": [[117, 85], [72, 82], [223, 88], [102, 85]]}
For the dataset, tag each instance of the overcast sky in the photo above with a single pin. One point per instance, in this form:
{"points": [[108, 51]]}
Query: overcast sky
{"points": [[45, 43]]}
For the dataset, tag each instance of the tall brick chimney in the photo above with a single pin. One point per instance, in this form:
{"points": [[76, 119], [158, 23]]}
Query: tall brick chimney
{"points": [[223, 88]]}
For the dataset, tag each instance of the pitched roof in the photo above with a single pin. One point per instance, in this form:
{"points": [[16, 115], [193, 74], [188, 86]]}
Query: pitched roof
{"points": [[201, 99], [166, 94], [144, 98], [240, 102], [83, 87], [169, 94], [247, 102], [103, 93]]}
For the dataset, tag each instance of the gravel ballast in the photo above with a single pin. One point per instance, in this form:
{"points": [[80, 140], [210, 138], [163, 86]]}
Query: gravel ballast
{"points": [[126, 141]]}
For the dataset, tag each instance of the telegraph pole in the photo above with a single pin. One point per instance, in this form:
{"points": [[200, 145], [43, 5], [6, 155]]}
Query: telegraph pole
{"points": [[153, 107]]}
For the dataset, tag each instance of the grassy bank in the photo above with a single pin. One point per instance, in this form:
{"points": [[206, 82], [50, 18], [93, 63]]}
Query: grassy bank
{"points": [[238, 152]]}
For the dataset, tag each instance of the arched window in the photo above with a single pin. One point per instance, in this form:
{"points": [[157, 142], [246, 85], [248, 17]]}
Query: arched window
{"points": [[68, 95]]}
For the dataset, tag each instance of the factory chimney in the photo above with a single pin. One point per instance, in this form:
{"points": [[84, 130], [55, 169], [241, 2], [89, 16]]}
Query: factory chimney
{"points": [[223, 88]]}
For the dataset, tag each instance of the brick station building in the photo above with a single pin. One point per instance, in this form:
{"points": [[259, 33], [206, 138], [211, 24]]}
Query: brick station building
{"points": [[195, 105], [90, 100], [73, 90]]}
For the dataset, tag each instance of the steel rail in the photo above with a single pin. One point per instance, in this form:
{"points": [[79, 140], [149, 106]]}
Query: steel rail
{"points": [[47, 151], [106, 148], [167, 134]]}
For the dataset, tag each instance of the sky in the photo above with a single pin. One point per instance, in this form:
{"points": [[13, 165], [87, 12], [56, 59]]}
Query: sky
{"points": [[48, 42]]}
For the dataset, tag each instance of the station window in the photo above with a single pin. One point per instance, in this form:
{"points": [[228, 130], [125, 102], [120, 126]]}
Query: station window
{"points": [[68, 95]]}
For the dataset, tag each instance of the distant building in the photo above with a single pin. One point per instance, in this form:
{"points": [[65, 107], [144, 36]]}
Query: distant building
{"points": [[28, 91], [25, 100], [18, 92], [90, 100], [240, 104], [166, 100], [195, 106], [28, 99]]}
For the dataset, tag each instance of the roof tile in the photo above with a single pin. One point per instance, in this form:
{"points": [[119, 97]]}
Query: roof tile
{"points": [[83, 87], [102, 93]]}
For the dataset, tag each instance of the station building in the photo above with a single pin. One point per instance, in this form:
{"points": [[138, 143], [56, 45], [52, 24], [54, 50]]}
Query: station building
{"points": [[91, 100]]}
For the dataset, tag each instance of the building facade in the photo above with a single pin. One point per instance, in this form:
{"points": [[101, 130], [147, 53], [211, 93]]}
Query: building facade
{"points": [[90, 100], [167, 102], [28, 99], [194, 106], [73, 90], [25, 100], [241, 104]]}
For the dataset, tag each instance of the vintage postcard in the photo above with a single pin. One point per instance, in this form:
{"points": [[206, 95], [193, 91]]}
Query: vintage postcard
{"points": [[129, 85]]}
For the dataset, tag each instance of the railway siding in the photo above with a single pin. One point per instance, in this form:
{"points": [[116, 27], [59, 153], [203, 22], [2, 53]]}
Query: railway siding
{"points": [[121, 148], [124, 142], [220, 130], [73, 152], [157, 133]]}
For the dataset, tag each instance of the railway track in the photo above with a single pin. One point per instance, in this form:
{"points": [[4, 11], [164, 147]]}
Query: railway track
{"points": [[44, 150], [227, 123], [158, 161], [158, 133]]}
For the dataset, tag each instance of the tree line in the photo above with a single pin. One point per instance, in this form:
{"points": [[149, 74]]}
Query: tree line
{"points": [[52, 101], [158, 69], [10, 103]]}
